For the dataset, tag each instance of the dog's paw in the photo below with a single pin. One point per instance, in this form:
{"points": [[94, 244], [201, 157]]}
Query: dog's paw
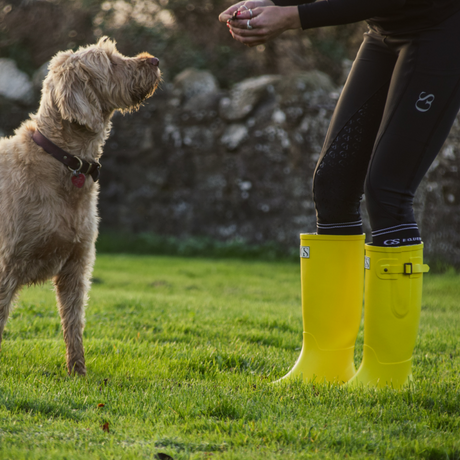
{"points": [[76, 368]]}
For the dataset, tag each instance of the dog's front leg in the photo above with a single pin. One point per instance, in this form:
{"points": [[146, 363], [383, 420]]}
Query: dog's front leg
{"points": [[72, 286], [8, 289]]}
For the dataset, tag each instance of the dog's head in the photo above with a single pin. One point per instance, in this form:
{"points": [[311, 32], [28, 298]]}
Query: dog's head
{"points": [[88, 85]]}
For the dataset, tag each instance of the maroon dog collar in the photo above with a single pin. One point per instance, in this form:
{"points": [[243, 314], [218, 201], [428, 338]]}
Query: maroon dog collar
{"points": [[75, 164]]}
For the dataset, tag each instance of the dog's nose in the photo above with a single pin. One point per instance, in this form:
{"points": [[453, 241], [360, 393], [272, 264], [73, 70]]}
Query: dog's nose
{"points": [[155, 61]]}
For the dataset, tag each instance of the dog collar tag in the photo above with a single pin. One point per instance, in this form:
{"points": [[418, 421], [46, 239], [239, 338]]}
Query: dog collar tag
{"points": [[78, 180]]}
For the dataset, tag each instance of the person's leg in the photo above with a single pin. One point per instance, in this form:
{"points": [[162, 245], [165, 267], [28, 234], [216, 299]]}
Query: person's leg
{"points": [[341, 170], [332, 264], [423, 101]]}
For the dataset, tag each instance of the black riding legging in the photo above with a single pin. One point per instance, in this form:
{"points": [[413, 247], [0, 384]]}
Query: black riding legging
{"points": [[395, 112]]}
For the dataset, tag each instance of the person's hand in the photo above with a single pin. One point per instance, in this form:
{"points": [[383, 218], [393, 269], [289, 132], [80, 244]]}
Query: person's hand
{"points": [[244, 5], [256, 26]]}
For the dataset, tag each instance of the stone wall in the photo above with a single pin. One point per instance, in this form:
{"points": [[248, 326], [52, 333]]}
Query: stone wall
{"points": [[196, 160]]}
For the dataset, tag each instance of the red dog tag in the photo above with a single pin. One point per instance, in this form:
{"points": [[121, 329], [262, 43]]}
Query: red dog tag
{"points": [[78, 180]]}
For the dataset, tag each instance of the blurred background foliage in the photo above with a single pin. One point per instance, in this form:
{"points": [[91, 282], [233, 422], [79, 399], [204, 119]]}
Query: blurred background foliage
{"points": [[182, 33]]}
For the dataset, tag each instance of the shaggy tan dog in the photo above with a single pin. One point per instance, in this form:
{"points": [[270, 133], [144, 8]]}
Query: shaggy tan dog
{"points": [[48, 209]]}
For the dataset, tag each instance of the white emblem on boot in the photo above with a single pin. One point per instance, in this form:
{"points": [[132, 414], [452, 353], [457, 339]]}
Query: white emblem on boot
{"points": [[305, 252], [367, 263]]}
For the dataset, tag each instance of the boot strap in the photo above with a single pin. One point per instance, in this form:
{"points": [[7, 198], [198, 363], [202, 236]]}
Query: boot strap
{"points": [[405, 269]]}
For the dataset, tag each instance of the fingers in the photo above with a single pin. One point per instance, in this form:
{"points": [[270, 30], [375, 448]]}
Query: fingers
{"points": [[249, 32], [249, 40], [224, 17], [246, 23], [228, 13], [249, 13], [242, 24]]}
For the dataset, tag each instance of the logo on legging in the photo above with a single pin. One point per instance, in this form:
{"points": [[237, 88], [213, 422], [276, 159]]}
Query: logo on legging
{"points": [[394, 242], [424, 102]]}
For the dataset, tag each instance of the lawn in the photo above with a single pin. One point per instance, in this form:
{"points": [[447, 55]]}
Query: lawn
{"points": [[181, 356]]}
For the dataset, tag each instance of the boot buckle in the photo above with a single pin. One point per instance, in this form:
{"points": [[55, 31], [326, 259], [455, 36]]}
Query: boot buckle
{"points": [[389, 270]]}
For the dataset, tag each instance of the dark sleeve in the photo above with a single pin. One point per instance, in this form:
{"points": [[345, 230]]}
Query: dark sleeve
{"points": [[336, 12]]}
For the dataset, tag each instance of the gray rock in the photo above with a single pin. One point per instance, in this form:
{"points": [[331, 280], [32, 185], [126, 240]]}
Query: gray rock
{"points": [[234, 135], [245, 96], [303, 83], [192, 82], [14, 84]]}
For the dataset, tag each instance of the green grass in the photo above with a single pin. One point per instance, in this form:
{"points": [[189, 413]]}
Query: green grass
{"points": [[181, 352], [198, 246]]}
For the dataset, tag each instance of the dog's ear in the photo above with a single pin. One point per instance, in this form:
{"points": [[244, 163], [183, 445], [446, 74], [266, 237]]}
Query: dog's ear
{"points": [[74, 97]]}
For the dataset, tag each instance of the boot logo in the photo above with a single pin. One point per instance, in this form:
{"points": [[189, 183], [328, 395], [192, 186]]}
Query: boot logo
{"points": [[305, 252], [367, 263]]}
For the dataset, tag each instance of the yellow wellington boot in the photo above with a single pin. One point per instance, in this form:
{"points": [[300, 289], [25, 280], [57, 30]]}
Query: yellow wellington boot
{"points": [[392, 302], [332, 278]]}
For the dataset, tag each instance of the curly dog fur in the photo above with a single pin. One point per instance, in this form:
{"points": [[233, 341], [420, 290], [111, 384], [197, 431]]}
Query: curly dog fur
{"points": [[48, 227]]}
